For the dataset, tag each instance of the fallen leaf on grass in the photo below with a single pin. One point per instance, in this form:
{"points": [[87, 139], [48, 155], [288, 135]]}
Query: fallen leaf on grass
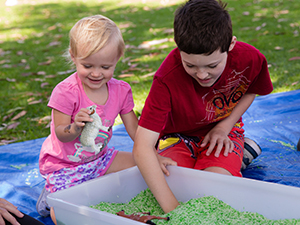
{"points": [[293, 84], [58, 36], [45, 119], [126, 75], [20, 114], [123, 60], [38, 79], [2, 53], [65, 72], [124, 25], [282, 12], [48, 125], [52, 27], [7, 116], [14, 109], [130, 70], [30, 99], [41, 73], [50, 76], [20, 41], [12, 126], [44, 84], [27, 74], [148, 44], [135, 60], [11, 80], [168, 31], [54, 43], [151, 55], [259, 27], [278, 48], [134, 65], [33, 73], [5, 142], [148, 75], [26, 94], [294, 58], [48, 62], [35, 102], [4, 61]]}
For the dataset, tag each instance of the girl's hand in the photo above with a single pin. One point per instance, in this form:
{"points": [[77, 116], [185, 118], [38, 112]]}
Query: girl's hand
{"points": [[164, 162], [218, 138], [82, 117], [6, 208]]}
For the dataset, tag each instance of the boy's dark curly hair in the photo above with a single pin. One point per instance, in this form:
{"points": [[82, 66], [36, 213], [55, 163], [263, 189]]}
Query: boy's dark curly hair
{"points": [[202, 27]]}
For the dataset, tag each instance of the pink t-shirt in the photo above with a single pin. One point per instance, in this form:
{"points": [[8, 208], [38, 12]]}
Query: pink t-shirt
{"points": [[69, 97], [178, 104]]}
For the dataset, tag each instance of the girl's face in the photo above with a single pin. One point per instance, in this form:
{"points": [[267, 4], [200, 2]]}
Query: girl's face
{"points": [[97, 69], [205, 69]]}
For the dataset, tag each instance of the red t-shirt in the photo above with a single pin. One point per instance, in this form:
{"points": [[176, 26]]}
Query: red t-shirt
{"points": [[178, 104]]}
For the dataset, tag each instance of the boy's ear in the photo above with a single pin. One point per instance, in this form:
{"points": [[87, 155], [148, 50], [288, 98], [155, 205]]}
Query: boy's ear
{"points": [[232, 44]]}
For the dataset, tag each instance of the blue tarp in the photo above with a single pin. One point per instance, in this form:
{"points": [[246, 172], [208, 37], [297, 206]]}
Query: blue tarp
{"points": [[273, 121]]}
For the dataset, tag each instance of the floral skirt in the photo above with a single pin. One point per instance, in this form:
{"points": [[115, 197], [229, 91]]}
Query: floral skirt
{"points": [[68, 177]]}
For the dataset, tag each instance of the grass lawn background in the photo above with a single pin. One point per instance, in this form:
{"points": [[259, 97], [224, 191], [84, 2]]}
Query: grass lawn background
{"points": [[34, 36]]}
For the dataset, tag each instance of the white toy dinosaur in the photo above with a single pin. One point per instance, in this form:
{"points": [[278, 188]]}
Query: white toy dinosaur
{"points": [[91, 130]]}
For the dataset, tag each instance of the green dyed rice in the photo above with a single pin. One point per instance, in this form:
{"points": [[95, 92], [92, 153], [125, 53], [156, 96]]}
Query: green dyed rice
{"points": [[204, 210]]}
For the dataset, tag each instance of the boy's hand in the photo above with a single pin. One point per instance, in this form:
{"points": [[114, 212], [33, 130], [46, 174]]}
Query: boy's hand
{"points": [[164, 162], [218, 138], [82, 117], [6, 208]]}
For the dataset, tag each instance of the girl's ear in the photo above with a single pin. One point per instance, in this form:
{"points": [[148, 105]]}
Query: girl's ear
{"points": [[72, 56], [232, 44]]}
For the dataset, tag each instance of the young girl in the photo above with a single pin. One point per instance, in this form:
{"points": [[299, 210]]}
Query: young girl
{"points": [[96, 45]]}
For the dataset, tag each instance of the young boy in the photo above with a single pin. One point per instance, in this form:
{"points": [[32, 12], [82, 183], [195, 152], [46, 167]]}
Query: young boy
{"points": [[197, 98]]}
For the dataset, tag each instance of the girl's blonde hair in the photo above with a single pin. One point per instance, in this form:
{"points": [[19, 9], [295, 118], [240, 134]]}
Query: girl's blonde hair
{"points": [[90, 34]]}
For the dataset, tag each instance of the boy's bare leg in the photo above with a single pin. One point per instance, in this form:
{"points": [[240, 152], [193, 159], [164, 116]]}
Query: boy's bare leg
{"points": [[52, 215], [216, 169]]}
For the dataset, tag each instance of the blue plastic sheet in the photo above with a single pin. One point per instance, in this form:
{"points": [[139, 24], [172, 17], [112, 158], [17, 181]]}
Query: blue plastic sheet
{"points": [[272, 121]]}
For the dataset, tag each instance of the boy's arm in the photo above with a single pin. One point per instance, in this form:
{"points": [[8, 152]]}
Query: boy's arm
{"points": [[151, 168], [130, 122], [219, 134]]}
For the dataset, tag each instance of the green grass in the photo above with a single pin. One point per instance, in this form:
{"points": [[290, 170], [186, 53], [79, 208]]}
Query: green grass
{"points": [[34, 36]]}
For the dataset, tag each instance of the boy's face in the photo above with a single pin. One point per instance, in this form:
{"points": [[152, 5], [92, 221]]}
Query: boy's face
{"points": [[205, 69]]}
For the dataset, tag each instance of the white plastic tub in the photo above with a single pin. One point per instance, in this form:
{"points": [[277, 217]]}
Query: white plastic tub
{"points": [[274, 201]]}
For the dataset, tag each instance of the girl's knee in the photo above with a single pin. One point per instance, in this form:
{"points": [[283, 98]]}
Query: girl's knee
{"points": [[123, 160]]}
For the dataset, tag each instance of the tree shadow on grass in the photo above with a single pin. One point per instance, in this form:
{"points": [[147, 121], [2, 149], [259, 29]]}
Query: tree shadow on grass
{"points": [[39, 35]]}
